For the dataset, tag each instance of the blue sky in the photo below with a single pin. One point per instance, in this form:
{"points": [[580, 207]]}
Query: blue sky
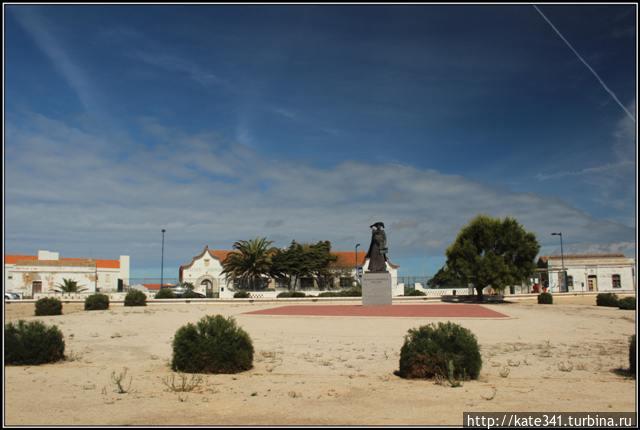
{"points": [[222, 123]]}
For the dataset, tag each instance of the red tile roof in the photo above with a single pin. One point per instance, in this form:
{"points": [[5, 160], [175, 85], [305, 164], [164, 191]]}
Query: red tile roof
{"points": [[12, 259], [108, 264], [348, 258], [33, 259]]}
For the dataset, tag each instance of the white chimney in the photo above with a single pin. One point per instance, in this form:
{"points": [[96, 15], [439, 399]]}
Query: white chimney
{"points": [[48, 255]]}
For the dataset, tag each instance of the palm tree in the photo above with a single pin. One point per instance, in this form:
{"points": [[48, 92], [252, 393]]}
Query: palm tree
{"points": [[250, 264], [69, 286]]}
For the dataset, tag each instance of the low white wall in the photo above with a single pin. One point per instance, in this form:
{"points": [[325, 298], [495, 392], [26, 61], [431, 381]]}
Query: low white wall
{"points": [[82, 296]]}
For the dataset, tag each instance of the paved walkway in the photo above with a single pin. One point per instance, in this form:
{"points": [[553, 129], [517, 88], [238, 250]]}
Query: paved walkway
{"points": [[422, 310]]}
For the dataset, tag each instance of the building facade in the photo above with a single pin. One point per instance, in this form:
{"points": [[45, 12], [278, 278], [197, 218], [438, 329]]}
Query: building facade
{"points": [[42, 273], [588, 272], [204, 272]]}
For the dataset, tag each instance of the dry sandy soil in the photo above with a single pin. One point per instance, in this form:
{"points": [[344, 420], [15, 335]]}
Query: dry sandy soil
{"points": [[321, 370]]}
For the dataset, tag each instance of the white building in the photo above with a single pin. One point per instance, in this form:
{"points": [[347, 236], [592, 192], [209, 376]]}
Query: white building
{"points": [[42, 273], [589, 272], [204, 271]]}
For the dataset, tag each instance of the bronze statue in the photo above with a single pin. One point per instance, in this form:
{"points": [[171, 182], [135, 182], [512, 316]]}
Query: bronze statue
{"points": [[377, 253]]}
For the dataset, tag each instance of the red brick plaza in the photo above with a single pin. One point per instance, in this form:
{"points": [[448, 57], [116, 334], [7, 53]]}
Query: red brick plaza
{"points": [[421, 311]]}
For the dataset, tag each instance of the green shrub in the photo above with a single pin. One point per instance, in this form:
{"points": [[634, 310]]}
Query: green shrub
{"points": [[214, 345], [241, 295], [444, 350], [632, 355], [48, 306], [545, 299], [285, 294], [415, 293], [96, 302], [165, 293], [135, 298], [328, 294], [627, 303], [32, 343], [351, 292], [607, 299]]}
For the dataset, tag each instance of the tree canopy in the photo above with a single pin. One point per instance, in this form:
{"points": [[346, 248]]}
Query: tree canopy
{"points": [[492, 252], [250, 263], [69, 286], [253, 261], [303, 261], [445, 278]]}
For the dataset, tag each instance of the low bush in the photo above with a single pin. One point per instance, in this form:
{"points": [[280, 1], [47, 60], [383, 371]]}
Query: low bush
{"points": [[215, 344], [135, 298], [415, 293], [96, 302], [190, 294], [545, 299], [627, 303], [632, 355], [607, 299], [351, 292], [48, 306], [445, 350], [328, 294], [165, 293], [33, 342], [241, 295], [285, 294]]}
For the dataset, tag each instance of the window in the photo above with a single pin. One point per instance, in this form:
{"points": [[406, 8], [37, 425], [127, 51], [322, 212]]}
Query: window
{"points": [[206, 262], [615, 281], [570, 281]]}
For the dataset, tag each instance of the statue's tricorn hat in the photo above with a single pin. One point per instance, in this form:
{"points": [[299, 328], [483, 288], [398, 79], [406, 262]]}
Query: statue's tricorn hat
{"points": [[378, 224]]}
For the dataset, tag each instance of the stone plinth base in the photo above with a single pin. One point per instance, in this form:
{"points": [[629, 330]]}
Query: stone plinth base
{"points": [[376, 288]]}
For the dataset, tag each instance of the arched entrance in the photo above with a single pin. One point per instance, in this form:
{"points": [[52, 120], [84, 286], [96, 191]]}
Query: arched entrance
{"points": [[208, 286]]}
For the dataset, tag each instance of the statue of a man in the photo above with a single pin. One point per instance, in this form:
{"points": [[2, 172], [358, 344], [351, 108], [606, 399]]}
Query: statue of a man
{"points": [[377, 253]]}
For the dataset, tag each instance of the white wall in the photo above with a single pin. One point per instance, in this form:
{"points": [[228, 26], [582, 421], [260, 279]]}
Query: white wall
{"points": [[603, 271], [50, 276], [124, 268], [202, 269]]}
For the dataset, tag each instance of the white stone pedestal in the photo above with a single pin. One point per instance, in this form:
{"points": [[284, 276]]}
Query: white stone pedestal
{"points": [[376, 288]]}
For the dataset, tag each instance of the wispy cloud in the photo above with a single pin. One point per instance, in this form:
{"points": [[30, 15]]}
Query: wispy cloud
{"points": [[172, 63], [40, 31], [601, 169], [221, 197]]}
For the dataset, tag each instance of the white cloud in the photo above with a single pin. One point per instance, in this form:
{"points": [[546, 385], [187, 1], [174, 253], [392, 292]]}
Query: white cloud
{"points": [[67, 190]]}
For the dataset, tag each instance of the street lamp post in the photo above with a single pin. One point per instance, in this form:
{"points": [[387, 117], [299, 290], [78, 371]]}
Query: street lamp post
{"points": [[564, 275], [357, 274], [162, 261]]}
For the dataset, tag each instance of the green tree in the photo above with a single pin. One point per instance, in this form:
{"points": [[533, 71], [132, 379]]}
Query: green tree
{"points": [[303, 261], [250, 264], [445, 278], [69, 286], [492, 252]]}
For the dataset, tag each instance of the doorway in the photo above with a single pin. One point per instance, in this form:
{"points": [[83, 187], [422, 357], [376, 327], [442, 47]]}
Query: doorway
{"points": [[208, 287], [36, 287]]}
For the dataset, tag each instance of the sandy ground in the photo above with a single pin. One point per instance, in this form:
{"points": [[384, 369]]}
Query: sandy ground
{"points": [[321, 370]]}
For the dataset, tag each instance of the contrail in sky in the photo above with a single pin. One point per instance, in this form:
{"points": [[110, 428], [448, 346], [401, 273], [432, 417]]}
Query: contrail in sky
{"points": [[586, 64]]}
